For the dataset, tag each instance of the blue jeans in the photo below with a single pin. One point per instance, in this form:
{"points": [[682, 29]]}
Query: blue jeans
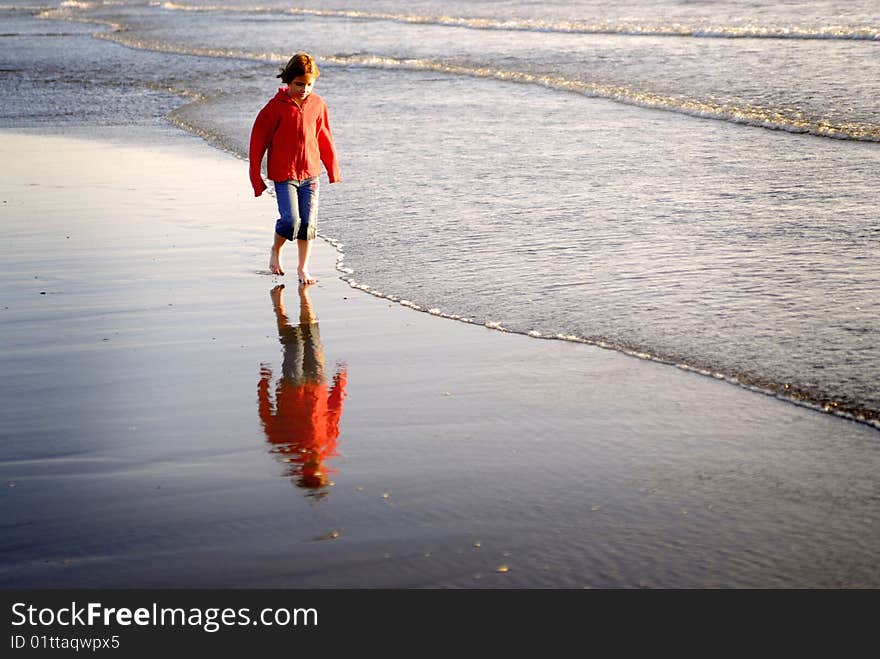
{"points": [[298, 208]]}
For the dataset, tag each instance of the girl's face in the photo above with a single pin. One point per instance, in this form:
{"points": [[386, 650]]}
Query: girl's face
{"points": [[300, 87]]}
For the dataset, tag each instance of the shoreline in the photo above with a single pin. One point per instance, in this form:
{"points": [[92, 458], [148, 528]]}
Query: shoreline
{"points": [[829, 406], [568, 465]]}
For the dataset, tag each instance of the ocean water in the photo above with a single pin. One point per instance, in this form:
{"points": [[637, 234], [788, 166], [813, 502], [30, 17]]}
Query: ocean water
{"points": [[690, 182]]}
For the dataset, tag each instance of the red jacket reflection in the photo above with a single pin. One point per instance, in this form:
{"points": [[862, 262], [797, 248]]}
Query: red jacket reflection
{"points": [[303, 424]]}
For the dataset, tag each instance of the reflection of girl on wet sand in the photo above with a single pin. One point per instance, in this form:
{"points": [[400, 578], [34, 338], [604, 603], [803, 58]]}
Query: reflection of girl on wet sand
{"points": [[303, 423]]}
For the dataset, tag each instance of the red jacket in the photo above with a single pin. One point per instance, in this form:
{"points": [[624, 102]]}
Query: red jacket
{"points": [[298, 141]]}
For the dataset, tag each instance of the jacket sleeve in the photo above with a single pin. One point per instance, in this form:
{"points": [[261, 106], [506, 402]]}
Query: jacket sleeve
{"points": [[261, 137], [265, 402], [334, 404], [326, 147]]}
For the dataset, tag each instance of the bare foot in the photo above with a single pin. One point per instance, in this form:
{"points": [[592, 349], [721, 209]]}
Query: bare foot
{"points": [[277, 295], [305, 278], [275, 262]]}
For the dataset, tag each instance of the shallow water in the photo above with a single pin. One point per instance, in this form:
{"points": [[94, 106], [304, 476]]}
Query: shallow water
{"points": [[576, 173]]}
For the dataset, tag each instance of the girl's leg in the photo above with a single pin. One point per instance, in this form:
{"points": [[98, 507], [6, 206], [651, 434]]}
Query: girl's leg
{"points": [[275, 266], [288, 212], [304, 247], [307, 194]]}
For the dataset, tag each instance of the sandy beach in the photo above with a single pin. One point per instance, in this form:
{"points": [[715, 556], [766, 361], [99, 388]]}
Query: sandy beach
{"points": [[146, 355]]}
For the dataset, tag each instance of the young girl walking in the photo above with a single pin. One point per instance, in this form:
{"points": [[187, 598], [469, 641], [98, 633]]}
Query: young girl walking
{"points": [[295, 128]]}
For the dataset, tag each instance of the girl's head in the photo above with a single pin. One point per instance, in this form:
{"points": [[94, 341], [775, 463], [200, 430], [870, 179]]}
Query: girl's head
{"points": [[300, 65]]}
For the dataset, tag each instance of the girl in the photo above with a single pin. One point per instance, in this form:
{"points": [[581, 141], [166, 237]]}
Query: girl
{"points": [[295, 128]]}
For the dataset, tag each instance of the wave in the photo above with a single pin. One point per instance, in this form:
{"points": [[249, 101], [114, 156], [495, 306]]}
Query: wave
{"points": [[864, 33], [66, 4], [749, 115], [37, 34], [30, 9]]}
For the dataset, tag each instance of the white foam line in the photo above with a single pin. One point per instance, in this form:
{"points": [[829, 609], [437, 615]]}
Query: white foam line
{"points": [[869, 33], [827, 408], [27, 8], [750, 116]]}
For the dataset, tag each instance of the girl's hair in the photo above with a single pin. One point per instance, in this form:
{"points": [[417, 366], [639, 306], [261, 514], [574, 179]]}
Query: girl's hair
{"points": [[301, 64]]}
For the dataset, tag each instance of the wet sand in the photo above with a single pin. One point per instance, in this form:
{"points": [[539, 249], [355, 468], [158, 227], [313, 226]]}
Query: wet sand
{"points": [[166, 423]]}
